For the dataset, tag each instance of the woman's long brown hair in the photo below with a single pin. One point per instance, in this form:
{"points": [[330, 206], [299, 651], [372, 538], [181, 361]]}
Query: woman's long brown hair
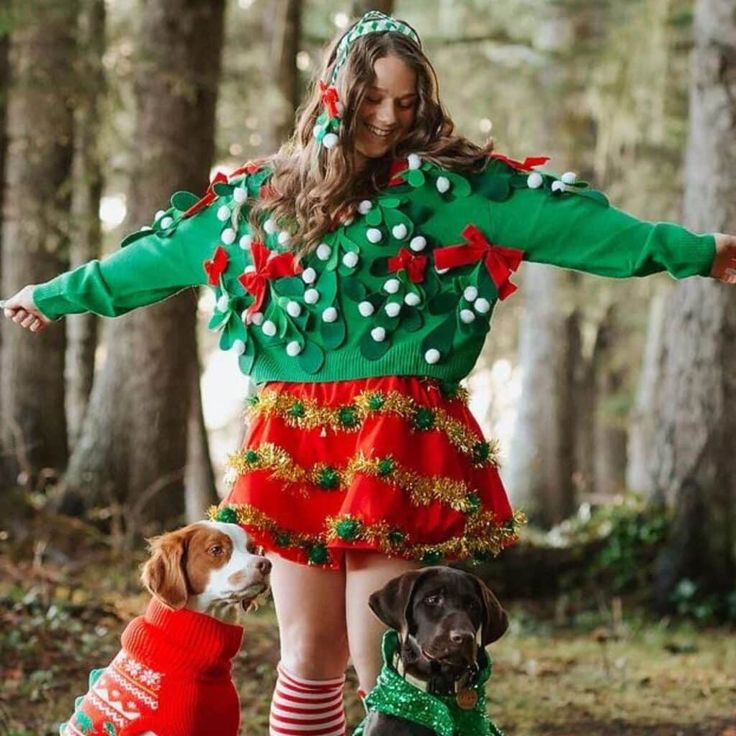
{"points": [[314, 188]]}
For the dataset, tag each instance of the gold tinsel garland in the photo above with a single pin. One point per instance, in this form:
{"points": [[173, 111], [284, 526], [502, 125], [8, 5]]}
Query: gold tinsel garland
{"points": [[483, 536], [420, 489], [309, 414]]}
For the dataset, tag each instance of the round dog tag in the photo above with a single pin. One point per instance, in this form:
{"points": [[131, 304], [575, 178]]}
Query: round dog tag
{"points": [[466, 698]]}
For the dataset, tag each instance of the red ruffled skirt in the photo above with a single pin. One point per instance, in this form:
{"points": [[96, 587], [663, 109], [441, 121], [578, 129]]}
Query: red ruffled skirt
{"points": [[394, 464]]}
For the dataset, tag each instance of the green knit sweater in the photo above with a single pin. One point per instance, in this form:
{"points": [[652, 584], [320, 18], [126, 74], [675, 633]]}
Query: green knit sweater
{"points": [[406, 288]]}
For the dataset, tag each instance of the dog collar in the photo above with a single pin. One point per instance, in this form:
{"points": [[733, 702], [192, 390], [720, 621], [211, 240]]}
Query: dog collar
{"points": [[443, 714]]}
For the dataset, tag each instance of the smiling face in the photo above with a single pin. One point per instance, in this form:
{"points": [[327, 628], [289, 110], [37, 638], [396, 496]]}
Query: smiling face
{"points": [[387, 112]]}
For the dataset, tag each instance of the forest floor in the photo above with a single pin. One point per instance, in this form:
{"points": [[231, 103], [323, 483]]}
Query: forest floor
{"points": [[557, 671]]}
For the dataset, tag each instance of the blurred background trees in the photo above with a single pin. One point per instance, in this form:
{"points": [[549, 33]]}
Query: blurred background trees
{"points": [[596, 388]]}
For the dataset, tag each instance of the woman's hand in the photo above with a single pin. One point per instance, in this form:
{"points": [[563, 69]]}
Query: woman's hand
{"points": [[23, 311], [724, 265]]}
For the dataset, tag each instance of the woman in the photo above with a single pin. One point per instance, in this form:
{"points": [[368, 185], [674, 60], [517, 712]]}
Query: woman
{"points": [[355, 273]]}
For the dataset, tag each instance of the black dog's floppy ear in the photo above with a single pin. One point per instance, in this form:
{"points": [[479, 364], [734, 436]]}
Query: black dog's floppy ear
{"points": [[391, 602], [495, 621]]}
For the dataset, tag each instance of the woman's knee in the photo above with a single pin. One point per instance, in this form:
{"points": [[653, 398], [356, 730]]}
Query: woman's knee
{"points": [[312, 652]]}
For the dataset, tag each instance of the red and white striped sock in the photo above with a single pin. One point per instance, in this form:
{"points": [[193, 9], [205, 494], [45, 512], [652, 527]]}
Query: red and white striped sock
{"points": [[306, 707]]}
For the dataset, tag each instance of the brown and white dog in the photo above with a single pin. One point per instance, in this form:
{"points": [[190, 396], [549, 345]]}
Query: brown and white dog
{"points": [[172, 675]]}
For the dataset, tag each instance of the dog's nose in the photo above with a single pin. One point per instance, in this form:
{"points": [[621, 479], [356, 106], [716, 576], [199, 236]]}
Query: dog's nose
{"points": [[263, 566], [460, 637]]}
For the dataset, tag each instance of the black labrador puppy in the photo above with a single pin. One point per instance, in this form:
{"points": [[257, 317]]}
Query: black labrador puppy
{"points": [[439, 613]]}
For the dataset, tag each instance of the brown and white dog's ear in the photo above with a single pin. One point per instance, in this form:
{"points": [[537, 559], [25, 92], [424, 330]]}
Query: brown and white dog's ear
{"points": [[495, 621], [163, 574], [391, 602]]}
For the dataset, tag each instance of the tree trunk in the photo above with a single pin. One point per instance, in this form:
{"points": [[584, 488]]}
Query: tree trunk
{"points": [[35, 230], [282, 24], [696, 423], [134, 443], [360, 7], [86, 233]]}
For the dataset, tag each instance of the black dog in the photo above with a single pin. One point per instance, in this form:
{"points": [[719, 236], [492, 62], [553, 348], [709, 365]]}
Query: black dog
{"points": [[438, 613]]}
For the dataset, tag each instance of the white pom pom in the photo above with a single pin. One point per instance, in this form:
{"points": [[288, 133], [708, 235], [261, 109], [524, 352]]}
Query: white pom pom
{"points": [[442, 184], [309, 275], [223, 213], [159, 215], [569, 177], [166, 222], [432, 356], [534, 180], [284, 237], [366, 309], [399, 231], [441, 270], [350, 259], [414, 161], [330, 140], [240, 195], [245, 241], [418, 243], [227, 236], [238, 347], [311, 296], [392, 286], [323, 251], [470, 293], [270, 226], [146, 227], [467, 316], [223, 302], [365, 207], [482, 306], [317, 130], [392, 309], [256, 318], [374, 235], [269, 328], [293, 348], [293, 309], [378, 334], [412, 299], [249, 269], [558, 186], [329, 314]]}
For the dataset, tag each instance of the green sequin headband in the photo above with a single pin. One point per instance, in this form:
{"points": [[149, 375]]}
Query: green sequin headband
{"points": [[327, 127]]}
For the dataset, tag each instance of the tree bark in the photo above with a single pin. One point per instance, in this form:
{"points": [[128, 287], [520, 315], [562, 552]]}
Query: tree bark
{"points": [[282, 24], [134, 443], [86, 232], [360, 7], [35, 229], [695, 419]]}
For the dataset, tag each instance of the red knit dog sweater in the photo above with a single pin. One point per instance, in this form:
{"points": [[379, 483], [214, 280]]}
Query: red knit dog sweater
{"points": [[171, 677]]}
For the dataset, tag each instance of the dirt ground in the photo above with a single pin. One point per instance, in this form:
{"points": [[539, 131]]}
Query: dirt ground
{"points": [[557, 672]]}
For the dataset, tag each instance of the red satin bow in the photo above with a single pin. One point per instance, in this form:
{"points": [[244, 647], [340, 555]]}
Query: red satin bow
{"points": [[209, 196], [529, 163], [398, 168], [329, 98], [249, 167], [499, 261], [216, 266], [267, 267], [406, 260]]}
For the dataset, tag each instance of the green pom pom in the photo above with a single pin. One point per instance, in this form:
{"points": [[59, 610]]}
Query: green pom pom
{"points": [[431, 558], [396, 537], [296, 410], [328, 478], [385, 467], [348, 529], [282, 539], [227, 514], [481, 452], [253, 400], [348, 416], [424, 418], [251, 456], [449, 389], [376, 402], [318, 554], [509, 523], [473, 501]]}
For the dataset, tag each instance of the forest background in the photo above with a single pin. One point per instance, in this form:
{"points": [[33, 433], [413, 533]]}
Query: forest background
{"points": [[613, 401]]}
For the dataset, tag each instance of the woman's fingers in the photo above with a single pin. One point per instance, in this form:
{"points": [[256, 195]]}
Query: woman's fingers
{"points": [[29, 320]]}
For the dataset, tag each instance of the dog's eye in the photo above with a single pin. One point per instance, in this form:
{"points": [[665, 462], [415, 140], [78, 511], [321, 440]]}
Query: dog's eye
{"points": [[216, 550], [433, 600]]}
